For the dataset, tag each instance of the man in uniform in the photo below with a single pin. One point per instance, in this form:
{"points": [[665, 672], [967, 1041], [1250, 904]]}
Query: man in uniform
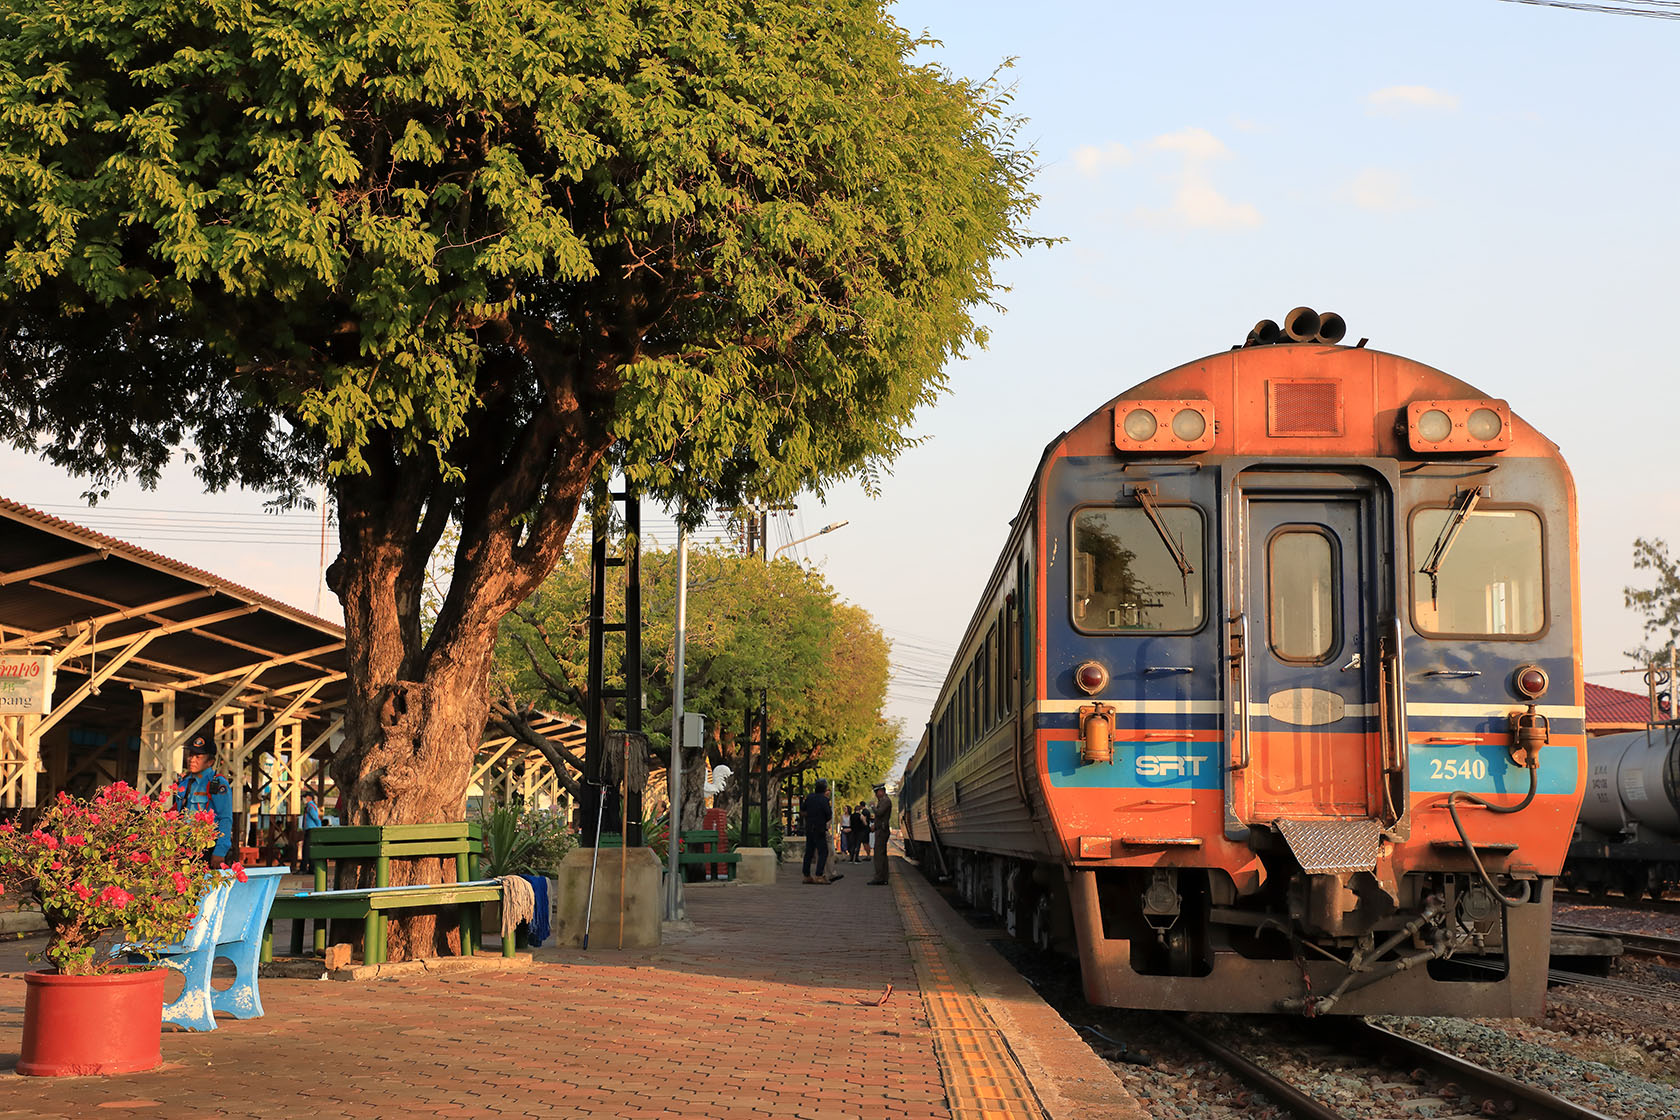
{"points": [[201, 789], [883, 829]]}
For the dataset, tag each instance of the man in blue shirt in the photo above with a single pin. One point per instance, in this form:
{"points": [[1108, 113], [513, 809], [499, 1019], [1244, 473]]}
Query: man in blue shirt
{"points": [[201, 789]]}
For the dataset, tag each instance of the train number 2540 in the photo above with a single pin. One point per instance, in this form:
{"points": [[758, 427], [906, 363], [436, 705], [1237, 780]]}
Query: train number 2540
{"points": [[1460, 768]]}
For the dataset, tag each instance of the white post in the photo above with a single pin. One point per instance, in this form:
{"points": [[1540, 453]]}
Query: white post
{"points": [[673, 773]]}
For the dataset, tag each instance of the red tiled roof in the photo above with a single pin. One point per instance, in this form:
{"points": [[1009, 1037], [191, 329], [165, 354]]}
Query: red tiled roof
{"points": [[1615, 705]]}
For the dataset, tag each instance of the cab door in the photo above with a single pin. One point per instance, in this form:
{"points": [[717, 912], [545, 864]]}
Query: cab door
{"points": [[1313, 743]]}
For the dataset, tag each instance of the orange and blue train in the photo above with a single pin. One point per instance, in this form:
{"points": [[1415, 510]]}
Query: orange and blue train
{"points": [[1273, 700]]}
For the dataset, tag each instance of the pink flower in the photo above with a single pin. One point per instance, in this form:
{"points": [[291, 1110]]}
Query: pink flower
{"points": [[8, 827], [171, 815], [141, 857], [204, 816], [82, 891], [239, 872], [49, 843], [77, 839], [55, 865], [115, 897], [180, 882]]}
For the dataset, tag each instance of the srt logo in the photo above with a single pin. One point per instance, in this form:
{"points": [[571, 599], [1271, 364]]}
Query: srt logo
{"points": [[1170, 766]]}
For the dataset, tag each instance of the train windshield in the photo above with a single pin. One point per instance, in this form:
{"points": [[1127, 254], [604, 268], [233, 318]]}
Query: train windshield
{"points": [[1491, 583], [1126, 578]]}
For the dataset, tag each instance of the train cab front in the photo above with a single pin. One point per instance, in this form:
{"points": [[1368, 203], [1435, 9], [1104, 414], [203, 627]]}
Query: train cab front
{"points": [[1312, 728]]}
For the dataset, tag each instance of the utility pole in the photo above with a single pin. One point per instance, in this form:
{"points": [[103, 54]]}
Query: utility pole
{"points": [[673, 773]]}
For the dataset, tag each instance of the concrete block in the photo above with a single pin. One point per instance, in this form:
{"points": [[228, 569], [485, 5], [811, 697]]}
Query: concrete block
{"points": [[639, 904], [757, 866]]}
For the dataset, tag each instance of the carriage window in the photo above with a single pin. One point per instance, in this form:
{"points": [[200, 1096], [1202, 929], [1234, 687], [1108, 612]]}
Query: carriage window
{"points": [[1124, 576], [1490, 582], [1301, 595]]}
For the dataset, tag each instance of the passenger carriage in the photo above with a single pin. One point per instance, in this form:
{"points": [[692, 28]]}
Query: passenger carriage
{"points": [[1279, 640]]}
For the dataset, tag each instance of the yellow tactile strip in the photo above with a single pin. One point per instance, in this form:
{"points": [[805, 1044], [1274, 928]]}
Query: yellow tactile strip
{"points": [[983, 1079]]}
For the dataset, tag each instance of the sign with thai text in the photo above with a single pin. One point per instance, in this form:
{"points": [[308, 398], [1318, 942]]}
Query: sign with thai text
{"points": [[26, 684]]}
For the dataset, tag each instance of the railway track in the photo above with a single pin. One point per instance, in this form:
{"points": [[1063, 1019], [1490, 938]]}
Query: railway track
{"points": [[1480, 1090]]}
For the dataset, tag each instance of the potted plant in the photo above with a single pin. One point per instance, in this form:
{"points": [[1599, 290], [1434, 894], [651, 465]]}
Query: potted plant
{"points": [[119, 869]]}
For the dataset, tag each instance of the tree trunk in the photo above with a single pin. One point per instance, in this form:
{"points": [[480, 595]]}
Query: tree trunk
{"points": [[410, 737], [417, 703]]}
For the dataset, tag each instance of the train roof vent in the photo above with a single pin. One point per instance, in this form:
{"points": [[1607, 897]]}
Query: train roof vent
{"points": [[1304, 407]]}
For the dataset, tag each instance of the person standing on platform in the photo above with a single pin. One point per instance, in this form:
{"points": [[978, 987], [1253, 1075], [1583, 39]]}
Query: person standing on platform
{"points": [[202, 790], [858, 839], [883, 828], [815, 813], [311, 819]]}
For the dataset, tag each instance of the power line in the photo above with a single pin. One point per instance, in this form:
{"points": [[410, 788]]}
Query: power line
{"points": [[1650, 9]]}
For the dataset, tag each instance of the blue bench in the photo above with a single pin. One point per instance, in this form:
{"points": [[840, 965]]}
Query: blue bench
{"points": [[240, 941], [232, 917]]}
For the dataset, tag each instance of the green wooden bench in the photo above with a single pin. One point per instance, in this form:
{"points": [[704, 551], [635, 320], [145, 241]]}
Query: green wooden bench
{"points": [[375, 905], [461, 840], [689, 857]]}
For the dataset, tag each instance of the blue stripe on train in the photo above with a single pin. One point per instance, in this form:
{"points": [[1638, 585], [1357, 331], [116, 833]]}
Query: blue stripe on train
{"points": [[1487, 768], [1153, 765]]}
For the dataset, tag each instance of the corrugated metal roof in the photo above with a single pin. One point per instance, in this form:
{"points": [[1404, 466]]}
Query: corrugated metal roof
{"points": [[1616, 706], [64, 586]]}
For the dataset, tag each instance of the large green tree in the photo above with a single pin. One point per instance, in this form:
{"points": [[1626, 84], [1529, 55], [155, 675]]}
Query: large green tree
{"points": [[775, 631], [460, 258]]}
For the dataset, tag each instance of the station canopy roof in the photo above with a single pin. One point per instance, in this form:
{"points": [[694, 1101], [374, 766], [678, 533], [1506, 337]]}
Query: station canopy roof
{"points": [[95, 601]]}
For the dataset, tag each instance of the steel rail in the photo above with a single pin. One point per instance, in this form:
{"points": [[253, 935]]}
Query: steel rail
{"points": [[1530, 1102], [1281, 1092]]}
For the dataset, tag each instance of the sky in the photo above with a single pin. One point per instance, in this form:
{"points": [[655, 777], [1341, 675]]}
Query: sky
{"points": [[1482, 186]]}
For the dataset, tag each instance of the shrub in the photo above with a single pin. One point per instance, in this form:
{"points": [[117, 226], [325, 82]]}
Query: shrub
{"points": [[120, 866]]}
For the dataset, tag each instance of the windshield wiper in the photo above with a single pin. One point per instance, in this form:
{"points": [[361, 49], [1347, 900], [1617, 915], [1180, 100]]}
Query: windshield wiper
{"points": [[1146, 499], [1449, 533]]}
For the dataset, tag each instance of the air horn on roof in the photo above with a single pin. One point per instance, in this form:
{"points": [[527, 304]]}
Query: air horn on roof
{"points": [[1302, 324]]}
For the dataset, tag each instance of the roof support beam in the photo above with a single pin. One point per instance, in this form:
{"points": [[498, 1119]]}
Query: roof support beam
{"points": [[105, 619], [56, 566], [497, 747], [320, 740], [209, 713], [177, 627], [288, 659], [280, 717], [104, 674]]}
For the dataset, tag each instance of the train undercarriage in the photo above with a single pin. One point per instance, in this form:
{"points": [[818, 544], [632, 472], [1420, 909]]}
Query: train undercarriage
{"points": [[1184, 939]]}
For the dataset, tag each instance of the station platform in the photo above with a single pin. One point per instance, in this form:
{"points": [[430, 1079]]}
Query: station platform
{"points": [[795, 1001]]}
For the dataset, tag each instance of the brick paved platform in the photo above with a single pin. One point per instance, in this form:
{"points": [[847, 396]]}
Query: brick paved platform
{"points": [[767, 1007]]}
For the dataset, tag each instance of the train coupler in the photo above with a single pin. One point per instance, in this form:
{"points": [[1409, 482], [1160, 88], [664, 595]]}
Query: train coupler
{"points": [[1530, 731]]}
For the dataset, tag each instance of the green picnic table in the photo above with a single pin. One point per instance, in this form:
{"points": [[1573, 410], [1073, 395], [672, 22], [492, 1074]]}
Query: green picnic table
{"points": [[462, 840]]}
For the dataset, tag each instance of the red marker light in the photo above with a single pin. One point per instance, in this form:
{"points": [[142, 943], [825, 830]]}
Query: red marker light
{"points": [[1531, 681], [1091, 677]]}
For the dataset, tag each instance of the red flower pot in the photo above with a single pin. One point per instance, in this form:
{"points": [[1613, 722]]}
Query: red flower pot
{"points": [[76, 1026]]}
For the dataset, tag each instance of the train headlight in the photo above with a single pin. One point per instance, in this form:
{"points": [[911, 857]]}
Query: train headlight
{"points": [[1434, 426], [1484, 424], [1531, 681], [1140, 424], [1188, 425], [1458, 426], [1163, 426], [1091, 677]]}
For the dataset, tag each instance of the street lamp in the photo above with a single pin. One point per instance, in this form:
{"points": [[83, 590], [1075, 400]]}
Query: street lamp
{"points": [[809, 537]]}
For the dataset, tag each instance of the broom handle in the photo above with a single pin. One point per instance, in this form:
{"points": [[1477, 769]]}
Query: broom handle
{"points": [[624, 848]]}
